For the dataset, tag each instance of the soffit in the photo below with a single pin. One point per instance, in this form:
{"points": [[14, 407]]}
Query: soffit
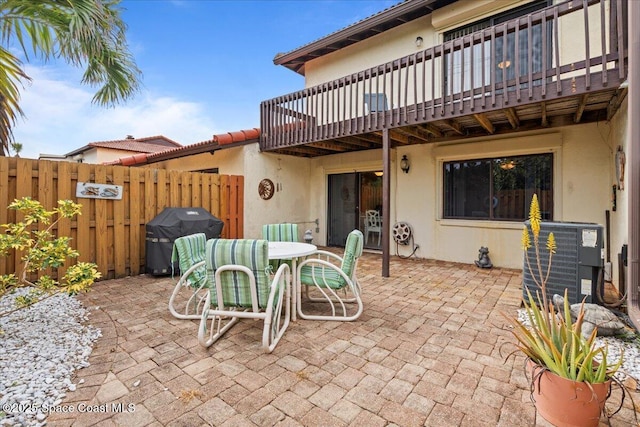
{"points": [[391, 17]]}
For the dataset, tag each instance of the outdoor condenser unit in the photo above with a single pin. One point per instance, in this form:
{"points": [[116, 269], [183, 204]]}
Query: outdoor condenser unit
{"points": [[576, 264]]}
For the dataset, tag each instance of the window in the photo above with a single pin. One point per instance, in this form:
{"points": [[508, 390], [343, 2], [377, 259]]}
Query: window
{"points": [[498, 188], [504, 53]]}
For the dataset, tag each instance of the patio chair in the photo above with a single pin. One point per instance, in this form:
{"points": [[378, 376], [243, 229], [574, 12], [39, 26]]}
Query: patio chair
{"points": [[240, 284], [285, 232], [189, 251], [330, 279], [372, 224]]}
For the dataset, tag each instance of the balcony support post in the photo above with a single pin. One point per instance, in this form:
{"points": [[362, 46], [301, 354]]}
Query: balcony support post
{"points": [[386, 203]]}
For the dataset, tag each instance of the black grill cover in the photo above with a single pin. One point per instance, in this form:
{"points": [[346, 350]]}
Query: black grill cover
{"points": [[170, 224]]}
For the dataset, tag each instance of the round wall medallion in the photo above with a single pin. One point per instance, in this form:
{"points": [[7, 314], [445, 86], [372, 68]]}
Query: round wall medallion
{"points": [[266, 189]]}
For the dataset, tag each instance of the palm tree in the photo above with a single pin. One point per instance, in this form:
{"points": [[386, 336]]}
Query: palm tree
{"points": [[85, 33], [17, 148]]}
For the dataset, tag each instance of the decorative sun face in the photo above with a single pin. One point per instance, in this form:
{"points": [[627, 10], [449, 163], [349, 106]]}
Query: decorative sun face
{"points": [[266, 189]]}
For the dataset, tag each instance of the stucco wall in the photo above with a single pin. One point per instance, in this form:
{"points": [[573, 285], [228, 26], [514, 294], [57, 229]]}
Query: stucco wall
{"points": [[290, 202], [582, 174], [619, 217], [228, 161]]}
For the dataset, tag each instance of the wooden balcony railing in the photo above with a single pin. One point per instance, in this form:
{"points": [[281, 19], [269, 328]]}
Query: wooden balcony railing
{"points": [[564, 50]]}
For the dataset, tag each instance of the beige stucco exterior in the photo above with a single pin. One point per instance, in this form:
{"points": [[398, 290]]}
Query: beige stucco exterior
{"points": [[584, 169]]}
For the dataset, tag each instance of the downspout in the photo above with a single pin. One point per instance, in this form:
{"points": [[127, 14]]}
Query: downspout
{"points": [[633, 128]]}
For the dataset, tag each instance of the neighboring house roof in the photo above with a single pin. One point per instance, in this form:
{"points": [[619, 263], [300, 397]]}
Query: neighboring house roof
{"points": [[391, 17], [218, 142], [150, 144]]}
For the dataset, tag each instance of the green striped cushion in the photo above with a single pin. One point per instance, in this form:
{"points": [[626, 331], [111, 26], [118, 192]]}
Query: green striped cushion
{"points": [[280, 233], [189, 250], [352, 251], [253, 254], [326, 277]]}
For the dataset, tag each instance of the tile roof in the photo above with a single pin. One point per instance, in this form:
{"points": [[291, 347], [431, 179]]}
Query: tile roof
{"points": [[150, 144], [218, 142]]}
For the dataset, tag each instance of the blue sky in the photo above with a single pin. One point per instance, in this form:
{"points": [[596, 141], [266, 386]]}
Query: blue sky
{"points": [[206, 65]]}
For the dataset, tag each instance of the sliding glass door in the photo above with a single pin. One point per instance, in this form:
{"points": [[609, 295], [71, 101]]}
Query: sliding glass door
{"points": [[351, 196]]}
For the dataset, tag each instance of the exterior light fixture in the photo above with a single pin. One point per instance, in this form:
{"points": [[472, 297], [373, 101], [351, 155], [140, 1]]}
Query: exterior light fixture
{"points": [[404, 164], [419, 41], [379, 173]]}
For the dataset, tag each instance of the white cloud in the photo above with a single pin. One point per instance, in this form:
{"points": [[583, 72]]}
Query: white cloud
{"points": [[61, 118]]}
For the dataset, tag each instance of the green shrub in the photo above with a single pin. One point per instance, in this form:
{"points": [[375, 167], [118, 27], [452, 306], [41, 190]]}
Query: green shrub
{"points": [[42, 250]]}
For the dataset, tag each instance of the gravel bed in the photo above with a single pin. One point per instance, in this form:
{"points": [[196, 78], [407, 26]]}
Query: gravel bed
{"points": [[40, 349], [629, 347]]}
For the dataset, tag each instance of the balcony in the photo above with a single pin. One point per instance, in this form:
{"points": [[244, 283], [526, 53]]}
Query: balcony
{"points": [[562, 65]]}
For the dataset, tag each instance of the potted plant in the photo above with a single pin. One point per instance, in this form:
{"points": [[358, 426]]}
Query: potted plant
{"points": [[570, 376]]}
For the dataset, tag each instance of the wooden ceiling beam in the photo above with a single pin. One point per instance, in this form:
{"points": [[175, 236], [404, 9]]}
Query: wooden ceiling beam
{"points": [[616, 101], [357, 142], [433, 130], [414, 133], [543, 114], [512, 116], [581, 104], [395, 137], [485, 122], [327, 145], [454, 126], [398, 137]]}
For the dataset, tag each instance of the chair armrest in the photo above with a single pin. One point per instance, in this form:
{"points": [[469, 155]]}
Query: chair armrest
{"points": [[184, 276], [282, 272], [319, 266], [326, 256]]}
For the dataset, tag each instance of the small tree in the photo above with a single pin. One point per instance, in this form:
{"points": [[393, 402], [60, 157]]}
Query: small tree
{"points": [[42, 250]]}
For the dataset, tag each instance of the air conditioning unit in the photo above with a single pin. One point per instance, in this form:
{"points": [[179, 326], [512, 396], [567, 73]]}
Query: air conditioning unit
{"points": [[575, 266]]}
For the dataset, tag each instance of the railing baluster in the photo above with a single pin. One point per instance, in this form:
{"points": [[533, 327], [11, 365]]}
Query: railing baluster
{"points": [[545, 53], [399, 91], [516, 57], [587, 57], [603, 43], [492, 69], [483, 70], [424, 84], [556, 42], [415, 87], [620, 25], [530, 54], [333, 107], [472, 72], [384, 90], [433, 82], [505, 98], [462, 75], [316, 113], [370, 113], [450, 82], [377, 92], [406, 88], [391, 92]]}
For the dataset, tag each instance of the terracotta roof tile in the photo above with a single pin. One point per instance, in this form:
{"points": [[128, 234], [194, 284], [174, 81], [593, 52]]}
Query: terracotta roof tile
{"points": [[217, 143]]}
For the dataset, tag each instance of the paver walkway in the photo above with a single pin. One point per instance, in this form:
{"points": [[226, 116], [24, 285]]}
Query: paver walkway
{"points": [[430, 349]]}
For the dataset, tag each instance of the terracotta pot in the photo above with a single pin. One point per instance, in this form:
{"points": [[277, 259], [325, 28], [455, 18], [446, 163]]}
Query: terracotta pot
{"points": [[567, 403]]}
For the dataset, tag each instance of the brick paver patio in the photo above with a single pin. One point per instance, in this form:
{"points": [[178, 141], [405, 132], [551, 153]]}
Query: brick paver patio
{"points": [[430, 349]]}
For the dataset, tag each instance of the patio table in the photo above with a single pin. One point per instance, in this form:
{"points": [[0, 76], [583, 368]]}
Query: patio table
{"points": [[291, 251]]}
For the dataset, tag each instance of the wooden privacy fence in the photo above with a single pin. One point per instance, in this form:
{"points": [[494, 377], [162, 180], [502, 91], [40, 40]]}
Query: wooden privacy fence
{"points": [[111, 233]]}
